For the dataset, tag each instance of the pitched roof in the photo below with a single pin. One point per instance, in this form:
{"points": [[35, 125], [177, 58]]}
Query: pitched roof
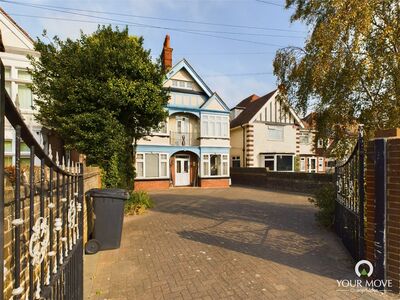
{"points": [[309, 121], [251, 106], [2, 11]]}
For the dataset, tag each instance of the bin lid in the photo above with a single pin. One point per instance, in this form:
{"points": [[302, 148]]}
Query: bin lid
{"points": [[109, 193]]}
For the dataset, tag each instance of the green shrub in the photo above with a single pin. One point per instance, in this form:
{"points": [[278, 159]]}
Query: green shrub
{"points": [[325, 199], [137, 203]]}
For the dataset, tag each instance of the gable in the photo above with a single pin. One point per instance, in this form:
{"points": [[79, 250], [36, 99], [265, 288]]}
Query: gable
{"points": [[13, 36], [183, 70], [182, 77], [215, 103], [277, 112]]}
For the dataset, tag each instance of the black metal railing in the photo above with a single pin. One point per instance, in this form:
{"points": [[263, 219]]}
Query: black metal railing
{"points": [[44, 246], [184, 138], [349, 209]]}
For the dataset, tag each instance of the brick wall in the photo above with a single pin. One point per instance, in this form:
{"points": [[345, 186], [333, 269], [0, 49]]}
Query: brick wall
{"points": [[391, 197], [393, 213], [91, 180], [306, 183], [151, 185], [370, 202], [214, 183]]}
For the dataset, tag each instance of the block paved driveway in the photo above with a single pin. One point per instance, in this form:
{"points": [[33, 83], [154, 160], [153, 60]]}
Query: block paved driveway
{"points": [[236, 243]]}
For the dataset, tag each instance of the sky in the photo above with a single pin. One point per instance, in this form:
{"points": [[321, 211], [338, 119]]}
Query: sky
{"points": [[234, 56]]}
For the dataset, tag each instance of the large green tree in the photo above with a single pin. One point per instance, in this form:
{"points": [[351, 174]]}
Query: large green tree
{"points": [[100, 93], [349, 69]]}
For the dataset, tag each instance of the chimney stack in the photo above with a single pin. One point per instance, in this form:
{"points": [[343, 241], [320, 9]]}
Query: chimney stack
{"points": [[166, 55]]}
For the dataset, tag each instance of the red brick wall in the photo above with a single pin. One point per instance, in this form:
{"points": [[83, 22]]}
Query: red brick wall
{"points": [[392, 206], [393, 213], [214, 182], [370, 202], [151, 185]]}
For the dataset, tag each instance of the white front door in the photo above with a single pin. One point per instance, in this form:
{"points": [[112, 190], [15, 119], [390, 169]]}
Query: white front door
{"points": [[182, 170]]}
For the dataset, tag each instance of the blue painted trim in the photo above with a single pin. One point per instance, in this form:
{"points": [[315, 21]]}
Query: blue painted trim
{"points": [[219, 100], [194, 109], [220, 150], [173, 149]]}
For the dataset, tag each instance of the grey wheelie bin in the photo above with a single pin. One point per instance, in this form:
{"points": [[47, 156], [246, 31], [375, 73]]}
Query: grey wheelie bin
{"points": [[108, 207]]}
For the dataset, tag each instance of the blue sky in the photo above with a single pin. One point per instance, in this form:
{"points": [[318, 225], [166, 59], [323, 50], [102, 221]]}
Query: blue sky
{"points": [[227, 65]]}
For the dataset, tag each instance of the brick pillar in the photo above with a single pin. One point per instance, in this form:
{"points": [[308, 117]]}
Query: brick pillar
{"points": [[370, 202], [393, 213], [392, 205]]}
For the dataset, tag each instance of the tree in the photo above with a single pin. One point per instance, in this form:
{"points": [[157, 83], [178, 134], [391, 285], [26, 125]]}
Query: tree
{"points": [[100, 93], [349, 68]]}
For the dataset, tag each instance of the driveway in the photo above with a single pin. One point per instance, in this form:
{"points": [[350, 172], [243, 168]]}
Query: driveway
{"points": [[236, 243]]}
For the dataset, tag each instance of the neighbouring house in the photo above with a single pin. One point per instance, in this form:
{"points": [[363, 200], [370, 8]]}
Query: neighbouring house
{"points": [[312, 150], [192, 146], [268, 133], [16, 45]]}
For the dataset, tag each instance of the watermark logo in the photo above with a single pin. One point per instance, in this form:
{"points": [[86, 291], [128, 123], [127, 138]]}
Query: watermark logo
{"points": [[361, 270], [364, 270]]}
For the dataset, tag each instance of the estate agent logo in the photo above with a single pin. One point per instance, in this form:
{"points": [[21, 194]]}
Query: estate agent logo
{"points": [[364, 270], [361, 270]]}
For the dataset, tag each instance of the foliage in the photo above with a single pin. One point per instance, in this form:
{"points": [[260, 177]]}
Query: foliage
{"points": [[100, 93], [325, 199], [349, 68], [138, 202], [297, 163]]}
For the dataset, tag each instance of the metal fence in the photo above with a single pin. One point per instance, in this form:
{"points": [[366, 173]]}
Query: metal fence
{"points": [[349, 209], [41, 217]]}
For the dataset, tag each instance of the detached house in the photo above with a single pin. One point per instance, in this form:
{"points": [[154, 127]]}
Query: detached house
{"points": [[17, 44], [192, 147], [267, 133]]}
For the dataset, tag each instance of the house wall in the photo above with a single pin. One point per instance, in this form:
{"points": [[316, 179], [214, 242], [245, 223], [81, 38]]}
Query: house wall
{"points": [[236, 142], [18, 46], [263, 145]]}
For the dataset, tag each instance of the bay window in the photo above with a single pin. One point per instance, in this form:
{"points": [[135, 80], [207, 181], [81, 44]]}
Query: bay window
{"points": [[215, 126], [152, 165], [215, 165], [279, 162]]}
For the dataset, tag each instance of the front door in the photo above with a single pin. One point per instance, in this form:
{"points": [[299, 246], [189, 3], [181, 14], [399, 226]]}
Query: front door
{"points": [[312, 165], [182, 170]]}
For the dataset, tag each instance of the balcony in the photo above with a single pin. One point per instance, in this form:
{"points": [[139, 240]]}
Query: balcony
{"points": [[184, 138]]}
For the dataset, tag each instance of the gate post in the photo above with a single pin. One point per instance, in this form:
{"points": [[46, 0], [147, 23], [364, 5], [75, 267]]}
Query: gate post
{"points": [[383, 206]]}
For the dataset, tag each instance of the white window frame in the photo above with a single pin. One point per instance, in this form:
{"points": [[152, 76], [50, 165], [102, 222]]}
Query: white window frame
{"points": [[320, 164], [302, 164], [210, 123], [282, 136], [236, 159], [304, 135], [275, 160], [160, 160], [320, 143], [206, 158], [158, 132]]}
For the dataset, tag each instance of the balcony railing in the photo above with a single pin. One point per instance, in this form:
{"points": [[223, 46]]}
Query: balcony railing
{"points": [[184, 138]]}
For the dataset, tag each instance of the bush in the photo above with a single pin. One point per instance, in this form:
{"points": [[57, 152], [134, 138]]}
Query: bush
{"points": [[325, 199], [137, 203]]}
